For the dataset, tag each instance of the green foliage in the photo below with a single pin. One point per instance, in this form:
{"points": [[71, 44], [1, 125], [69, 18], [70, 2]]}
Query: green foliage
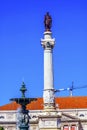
{"points": [[1, 128]]}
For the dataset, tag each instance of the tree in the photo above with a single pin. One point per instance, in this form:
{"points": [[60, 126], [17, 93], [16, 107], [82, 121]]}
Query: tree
{"points": [[1, 128]]}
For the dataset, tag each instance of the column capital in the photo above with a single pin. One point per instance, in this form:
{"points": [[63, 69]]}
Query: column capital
{"points": [[48, 42]]}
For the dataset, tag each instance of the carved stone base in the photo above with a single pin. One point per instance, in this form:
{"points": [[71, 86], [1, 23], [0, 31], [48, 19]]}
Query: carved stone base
{"points": [[49, 107], [50, 121]]}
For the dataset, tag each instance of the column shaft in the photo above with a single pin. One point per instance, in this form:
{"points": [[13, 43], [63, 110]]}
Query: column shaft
{"points": [[48, 70]]}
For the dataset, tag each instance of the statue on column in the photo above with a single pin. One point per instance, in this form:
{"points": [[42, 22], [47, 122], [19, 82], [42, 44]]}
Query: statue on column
{"points": [[47, 22]]}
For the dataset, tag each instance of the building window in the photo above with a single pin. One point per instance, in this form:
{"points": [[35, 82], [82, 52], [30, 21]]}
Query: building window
{"points": [[66, 127], [73, 127]]}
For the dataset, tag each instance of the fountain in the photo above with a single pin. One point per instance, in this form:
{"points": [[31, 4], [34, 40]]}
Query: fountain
{"points": [[23, 101]]}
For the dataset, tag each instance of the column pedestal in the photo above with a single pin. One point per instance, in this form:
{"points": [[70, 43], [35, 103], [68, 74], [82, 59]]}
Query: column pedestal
{"points": [[50, 122]]}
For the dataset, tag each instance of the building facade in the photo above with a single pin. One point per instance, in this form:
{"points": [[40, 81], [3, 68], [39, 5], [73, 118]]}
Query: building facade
{"points": [[70, 115]]}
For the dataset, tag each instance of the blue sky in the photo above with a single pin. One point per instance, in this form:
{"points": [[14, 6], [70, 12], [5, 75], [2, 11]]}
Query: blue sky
{"points": [[21, 55]]}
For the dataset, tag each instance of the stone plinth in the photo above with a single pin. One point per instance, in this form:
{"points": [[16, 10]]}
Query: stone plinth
{"points": [[50, 121]]}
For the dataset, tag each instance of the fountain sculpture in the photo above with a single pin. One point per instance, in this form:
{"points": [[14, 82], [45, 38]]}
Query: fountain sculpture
{"points": [[23, 101]]}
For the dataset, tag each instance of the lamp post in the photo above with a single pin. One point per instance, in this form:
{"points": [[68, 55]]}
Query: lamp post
{"points": [[23, 101]]}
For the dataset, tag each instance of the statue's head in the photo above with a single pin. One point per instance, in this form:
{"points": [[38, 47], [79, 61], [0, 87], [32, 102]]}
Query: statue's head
{"points": [[47, 13]]}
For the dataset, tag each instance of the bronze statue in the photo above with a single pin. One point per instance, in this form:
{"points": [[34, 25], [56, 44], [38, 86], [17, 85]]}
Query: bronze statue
{"points": [[47, 22]]}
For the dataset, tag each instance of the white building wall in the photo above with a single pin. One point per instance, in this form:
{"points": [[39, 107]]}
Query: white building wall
{"points": [[8, 118]]}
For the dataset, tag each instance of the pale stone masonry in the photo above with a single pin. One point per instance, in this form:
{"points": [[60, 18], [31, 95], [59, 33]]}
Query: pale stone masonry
{"points": [[70, 117], [48, 94]]}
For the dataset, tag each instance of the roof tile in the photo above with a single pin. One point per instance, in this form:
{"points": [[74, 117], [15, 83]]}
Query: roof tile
{"points": [[63, 102]]}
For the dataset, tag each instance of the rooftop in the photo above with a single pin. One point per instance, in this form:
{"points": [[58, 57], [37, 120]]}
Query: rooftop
{"points": [[79, 102]]}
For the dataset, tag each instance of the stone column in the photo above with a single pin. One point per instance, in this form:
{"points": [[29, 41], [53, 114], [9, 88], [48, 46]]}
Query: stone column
{"points": [[48, 94]]}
